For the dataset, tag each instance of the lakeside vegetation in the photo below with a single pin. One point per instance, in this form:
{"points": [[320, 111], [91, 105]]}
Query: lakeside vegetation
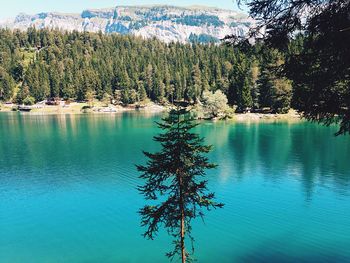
{"points": [[44, 64], [319, 62]]}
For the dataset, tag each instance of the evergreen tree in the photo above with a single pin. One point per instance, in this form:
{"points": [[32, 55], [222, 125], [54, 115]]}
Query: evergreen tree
{"points": [[178, 87], [174, 172], [149, 80], [275, 90], [23, 93], [266, 88], [129, 96], [240, 87], [244, 97], [90, 96], [205, 83], [117, 97], [196, 88], [282, 95], [320, 66], [141, 91], [158, 87], [223, 82], [124, 81], [255, 88], [7, 85], [68, 90], [167, 82], [17, 71], [54, 82]]}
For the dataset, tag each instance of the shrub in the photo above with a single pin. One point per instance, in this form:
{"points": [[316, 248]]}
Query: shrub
{"points": [[29, 100]]}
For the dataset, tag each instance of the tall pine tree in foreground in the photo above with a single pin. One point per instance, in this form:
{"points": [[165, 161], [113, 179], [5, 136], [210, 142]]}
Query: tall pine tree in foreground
{"points": [[175, 176]]}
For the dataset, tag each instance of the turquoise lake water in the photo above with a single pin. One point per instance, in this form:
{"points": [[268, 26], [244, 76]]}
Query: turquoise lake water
{"points": [[67, 191]]}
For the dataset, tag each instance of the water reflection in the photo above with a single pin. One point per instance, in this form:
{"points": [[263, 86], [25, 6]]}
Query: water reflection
{"points": [[68, 182], [304, 151], [59, 149]]}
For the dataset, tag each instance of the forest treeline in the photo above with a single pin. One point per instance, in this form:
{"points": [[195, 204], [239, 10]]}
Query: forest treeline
{"points": [[41, 64]]}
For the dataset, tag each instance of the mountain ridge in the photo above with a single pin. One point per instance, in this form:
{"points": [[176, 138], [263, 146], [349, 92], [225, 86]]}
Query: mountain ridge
{"points": [[166, 22]]}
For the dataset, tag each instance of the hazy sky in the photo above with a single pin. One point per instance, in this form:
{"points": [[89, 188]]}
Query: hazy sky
{"points": [[10, 8]]}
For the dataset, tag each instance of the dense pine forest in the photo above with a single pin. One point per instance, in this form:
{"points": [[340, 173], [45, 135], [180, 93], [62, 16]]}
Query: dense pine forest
{"points": [[40, 64]]}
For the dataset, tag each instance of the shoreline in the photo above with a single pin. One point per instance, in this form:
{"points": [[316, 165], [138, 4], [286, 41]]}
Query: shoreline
{"points": [[81, 108], [292, 115], [77, 108]]}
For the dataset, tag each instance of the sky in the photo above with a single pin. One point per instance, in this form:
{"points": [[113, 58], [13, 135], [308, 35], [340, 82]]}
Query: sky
{"points": [[11, 8]]}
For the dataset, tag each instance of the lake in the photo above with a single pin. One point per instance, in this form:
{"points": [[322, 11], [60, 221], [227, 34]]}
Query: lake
{"points": [[68, 191]]}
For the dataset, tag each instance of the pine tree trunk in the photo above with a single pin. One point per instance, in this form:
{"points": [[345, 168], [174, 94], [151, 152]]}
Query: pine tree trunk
{"points": [[182, 225], [183, 252]]}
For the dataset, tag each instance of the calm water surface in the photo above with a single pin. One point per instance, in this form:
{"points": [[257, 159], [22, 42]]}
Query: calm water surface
{"points": [[67, 191]]}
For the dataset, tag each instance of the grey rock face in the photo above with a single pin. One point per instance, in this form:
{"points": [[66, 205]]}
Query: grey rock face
{"points": [[168, 23]]}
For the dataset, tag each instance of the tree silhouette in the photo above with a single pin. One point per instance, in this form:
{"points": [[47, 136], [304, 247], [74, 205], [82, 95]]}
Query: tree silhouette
{"points": [[174, 175], [315, 34]]}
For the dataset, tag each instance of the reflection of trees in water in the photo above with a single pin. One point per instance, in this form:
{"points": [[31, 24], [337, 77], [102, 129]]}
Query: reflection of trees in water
{"points": [[216, 134], [303, 150], [59, 149], [308, 152], [323, 158], [244, 151]]}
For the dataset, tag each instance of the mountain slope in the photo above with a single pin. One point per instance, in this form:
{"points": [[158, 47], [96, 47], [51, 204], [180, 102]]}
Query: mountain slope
{"points": [[168, 23]]}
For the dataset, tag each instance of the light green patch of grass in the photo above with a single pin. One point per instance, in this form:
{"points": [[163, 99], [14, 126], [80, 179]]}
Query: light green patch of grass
{"points": [[28, 55]]}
